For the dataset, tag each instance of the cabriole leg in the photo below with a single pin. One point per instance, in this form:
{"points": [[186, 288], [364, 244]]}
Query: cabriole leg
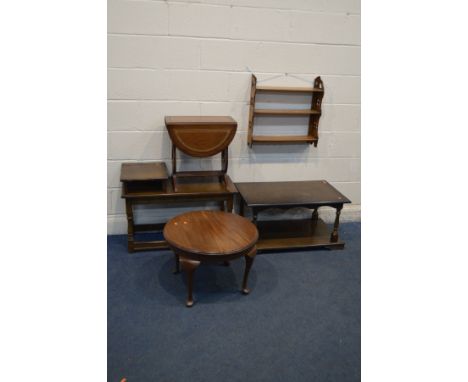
{"points": [[177, 264], [249, 259], [189, 266]]}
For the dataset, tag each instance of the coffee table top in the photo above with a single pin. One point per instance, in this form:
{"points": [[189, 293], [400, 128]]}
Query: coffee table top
{"points": [[298, 193], [210, 233]]}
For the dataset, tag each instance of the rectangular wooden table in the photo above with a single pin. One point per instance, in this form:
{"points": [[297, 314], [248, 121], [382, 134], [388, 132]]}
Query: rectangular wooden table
{"points": [[148, 183], [288, 234]]}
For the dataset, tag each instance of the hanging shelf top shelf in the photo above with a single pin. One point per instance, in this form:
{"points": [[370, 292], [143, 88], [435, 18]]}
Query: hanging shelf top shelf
{"points": [[287, 89]]}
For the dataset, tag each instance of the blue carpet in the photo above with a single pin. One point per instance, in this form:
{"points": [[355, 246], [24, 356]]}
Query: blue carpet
{"points": [[301, 321]]}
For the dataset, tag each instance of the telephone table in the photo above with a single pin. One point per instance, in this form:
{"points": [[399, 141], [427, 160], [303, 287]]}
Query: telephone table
{"points": [[149, 183]]}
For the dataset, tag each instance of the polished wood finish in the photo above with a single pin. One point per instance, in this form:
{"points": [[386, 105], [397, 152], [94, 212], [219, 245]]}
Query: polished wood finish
{"points": [[200, 136], [151, 191], [253, 93], [202, 120], [187, 188], [285, 112], [294, 193], [295, 234], [314, 112], [210, 234], [286, 89], [143, 171], [189, 266], [282, 139], [249, 259], [201, 236], [287, 234], [317, 106], [138, 177]]}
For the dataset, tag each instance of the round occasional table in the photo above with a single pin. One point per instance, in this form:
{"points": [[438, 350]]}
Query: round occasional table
{"points": [[215, 236]]}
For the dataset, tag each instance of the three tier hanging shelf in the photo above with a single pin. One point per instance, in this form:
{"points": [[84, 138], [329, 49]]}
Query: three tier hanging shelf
{"points": [[314, 113]]}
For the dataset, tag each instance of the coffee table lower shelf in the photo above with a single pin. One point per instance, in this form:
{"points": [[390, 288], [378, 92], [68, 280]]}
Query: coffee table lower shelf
{"points": [[295, 234]]}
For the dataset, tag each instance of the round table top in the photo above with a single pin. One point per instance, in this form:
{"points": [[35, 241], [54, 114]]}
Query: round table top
{"points": [[210, 232]]}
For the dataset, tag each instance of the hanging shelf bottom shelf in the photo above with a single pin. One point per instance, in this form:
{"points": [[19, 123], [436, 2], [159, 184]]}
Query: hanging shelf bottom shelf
{"points": [[283, 139]]}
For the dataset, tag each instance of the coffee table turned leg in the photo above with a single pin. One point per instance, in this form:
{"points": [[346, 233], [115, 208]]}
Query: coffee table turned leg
{"points": [[334, 235], [315, 214], [230, 204], [249, 259], [241, 207], [130, 223], [254, 216], [222, 206], [189, 267]]}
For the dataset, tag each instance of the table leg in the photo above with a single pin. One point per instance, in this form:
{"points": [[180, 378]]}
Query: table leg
{"points": [[241, 206], [177, 264], [254, 216], [229, 203], [221, 206], [189, 266], [130, 224], [315, 214], [334, 235], [249, 259]]}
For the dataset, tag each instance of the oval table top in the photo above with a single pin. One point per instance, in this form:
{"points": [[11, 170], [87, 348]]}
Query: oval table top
{"points": [[210, 233]]}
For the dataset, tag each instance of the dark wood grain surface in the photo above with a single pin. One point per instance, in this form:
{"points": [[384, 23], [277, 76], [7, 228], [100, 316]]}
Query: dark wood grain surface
{"points": [[314, 113], [192, 187], [298, 193], [210, 232], [200, 120], [201, 136], [294, 234], [143, 171]]}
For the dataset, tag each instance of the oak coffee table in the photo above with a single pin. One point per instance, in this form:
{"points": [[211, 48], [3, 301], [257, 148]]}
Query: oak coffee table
{"points": [[215, 236], [149, 183], [289, 234]]}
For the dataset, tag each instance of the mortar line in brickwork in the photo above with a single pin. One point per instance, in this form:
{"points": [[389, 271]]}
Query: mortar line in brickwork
{"points": [[239, 158], [242, 131], [234, 39], [217, 5], [210, 101], [226, 71]]}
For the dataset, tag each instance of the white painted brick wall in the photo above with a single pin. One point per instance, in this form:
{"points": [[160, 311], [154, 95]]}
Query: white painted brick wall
{"points": [[195, 57]]}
